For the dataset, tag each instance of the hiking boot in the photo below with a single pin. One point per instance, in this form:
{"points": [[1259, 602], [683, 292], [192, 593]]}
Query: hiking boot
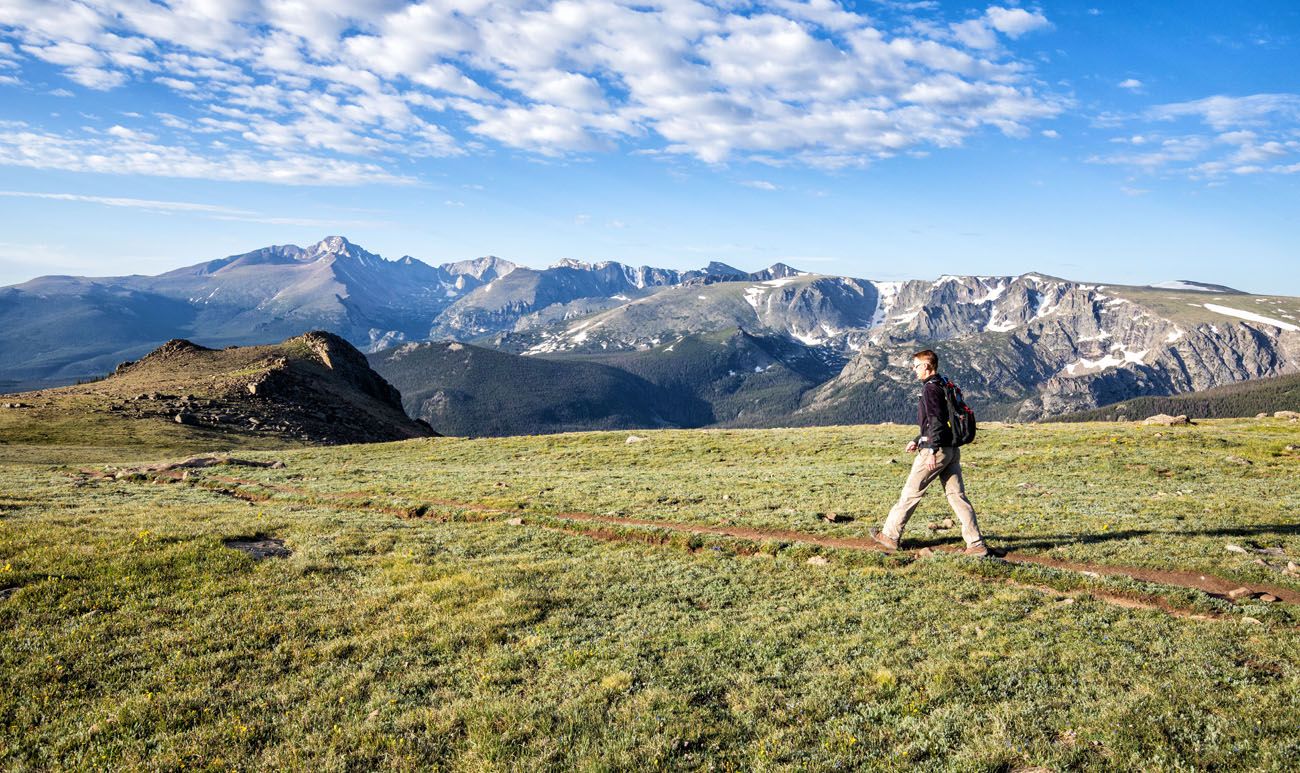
{"points": [[979, 551], [888, 543]]}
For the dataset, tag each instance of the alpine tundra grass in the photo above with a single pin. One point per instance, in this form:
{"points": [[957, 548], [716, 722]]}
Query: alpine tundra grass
{"points": [[438, 609]]}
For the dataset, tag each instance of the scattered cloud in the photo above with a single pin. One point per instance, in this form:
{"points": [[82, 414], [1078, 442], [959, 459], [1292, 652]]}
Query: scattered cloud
{"points": [[581, 219], [761, 185], [1213, 138], [131, 153], [1131, 84], [1131, 191], [212, 211], [351, 88], [1051, 134]]}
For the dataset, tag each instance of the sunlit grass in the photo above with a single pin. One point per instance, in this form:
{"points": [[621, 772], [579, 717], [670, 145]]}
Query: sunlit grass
{"points": [[131, 637]]}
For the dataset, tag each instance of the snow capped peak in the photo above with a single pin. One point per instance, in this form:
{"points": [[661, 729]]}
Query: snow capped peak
{"points": [[331, 245], [571, 263]]}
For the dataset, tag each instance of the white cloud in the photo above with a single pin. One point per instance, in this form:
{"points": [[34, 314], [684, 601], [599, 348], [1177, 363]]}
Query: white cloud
{"points": [[359, 82], [214, 211], [1051, 134], [1220, 136], [1223, 112], [22, 146], [761, 185], [1132, 84], [1015, 22]]}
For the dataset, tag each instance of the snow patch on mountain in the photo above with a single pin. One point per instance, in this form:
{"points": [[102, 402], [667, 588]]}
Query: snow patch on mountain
{"points": [[1250, 316]]}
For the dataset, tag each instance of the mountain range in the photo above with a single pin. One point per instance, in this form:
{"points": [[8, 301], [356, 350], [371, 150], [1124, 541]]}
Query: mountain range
{"points": [[714, 346]]}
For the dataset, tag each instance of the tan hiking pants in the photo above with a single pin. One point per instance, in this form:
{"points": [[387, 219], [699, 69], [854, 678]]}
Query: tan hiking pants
{"points": [[948, 471]]}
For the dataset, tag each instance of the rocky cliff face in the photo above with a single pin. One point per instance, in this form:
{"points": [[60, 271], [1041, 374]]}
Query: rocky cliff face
{"points": [[1035, 346]]}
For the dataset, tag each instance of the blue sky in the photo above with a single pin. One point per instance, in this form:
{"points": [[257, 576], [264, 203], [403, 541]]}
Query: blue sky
{"points": [[1117, 142]]}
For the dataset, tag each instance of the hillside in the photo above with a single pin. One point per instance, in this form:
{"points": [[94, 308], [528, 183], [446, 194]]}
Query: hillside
{"points": [[460, 389], [314, 388], [1248, 398]]}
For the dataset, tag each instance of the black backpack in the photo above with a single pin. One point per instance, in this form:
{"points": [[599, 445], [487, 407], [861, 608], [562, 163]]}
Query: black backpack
{"points": [[960, 416]]}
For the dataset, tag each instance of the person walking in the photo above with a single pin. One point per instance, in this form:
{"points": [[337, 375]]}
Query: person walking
{"points": [[936, 457]]}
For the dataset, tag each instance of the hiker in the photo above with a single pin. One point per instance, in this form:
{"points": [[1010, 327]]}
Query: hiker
{"points": [[936, 457]]}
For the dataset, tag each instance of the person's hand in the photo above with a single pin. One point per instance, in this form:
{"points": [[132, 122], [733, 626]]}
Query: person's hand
{"points": [[911, 446], [933, 463]]}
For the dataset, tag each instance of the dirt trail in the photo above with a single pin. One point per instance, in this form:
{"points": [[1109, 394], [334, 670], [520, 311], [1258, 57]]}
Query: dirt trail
{"points": [[1209, 584]]}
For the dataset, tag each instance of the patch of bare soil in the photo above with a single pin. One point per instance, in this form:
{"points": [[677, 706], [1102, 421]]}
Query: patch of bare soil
{"points": [[260, 547]]}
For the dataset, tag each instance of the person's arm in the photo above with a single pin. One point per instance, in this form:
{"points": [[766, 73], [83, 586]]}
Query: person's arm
{"points": [[933, 398]]}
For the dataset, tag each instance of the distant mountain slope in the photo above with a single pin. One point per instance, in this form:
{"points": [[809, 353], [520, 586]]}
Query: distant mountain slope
{"points": [[60, 329], [461, 389], [1024, 347], [747, 379], [314, 388], [1244, 399]]}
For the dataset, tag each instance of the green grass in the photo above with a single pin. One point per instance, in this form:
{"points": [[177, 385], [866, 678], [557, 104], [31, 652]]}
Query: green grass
{"points": [[134, 638]]}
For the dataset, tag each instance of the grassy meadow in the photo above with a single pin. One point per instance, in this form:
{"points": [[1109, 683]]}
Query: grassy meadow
{"points": [[418, 624]]}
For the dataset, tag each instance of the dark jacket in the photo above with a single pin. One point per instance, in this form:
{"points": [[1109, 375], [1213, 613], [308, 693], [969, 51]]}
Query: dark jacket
{"points": [[932, 415]]}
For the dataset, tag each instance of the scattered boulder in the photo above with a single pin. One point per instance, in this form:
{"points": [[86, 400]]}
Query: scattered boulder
{"points": [[1240, 593], [515, 522], [1235, 548], [1262, 415], [15, 405], [818, 561], [1165, 420], [1237, 460], [1286, 415], [1268, 598], [835, 518], [186, 418], [633, 439]]}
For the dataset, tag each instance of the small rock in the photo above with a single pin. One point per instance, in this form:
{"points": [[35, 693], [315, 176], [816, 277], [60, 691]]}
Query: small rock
{"points": [[818, 561], [1286, 415], [833, 518], [515, 522], [1239, 593], [1067, 600], [1230, 459], [1292, 447], [1292, 568], [947, 523], [1086, 573], [1268, 598], [1262, 415], [1235, 548], [925, 552], [633, 439], [16, 405], [1245, 619], [373, 714], [186, 418]]}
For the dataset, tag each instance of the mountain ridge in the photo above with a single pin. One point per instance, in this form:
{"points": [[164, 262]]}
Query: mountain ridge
{"points": [[1030, 346]]}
